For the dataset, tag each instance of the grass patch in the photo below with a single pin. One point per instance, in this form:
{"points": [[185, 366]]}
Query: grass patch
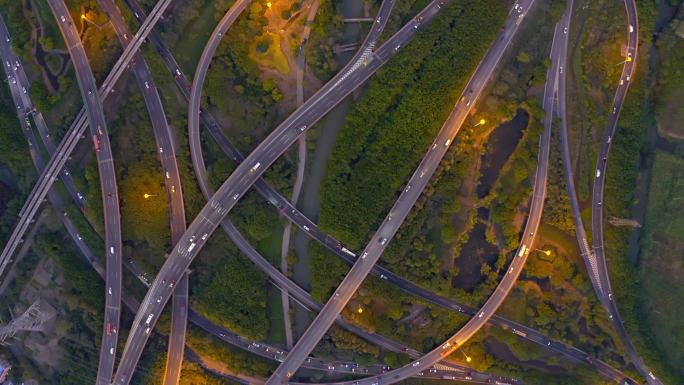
{"points": [[661, 270], [266, 52]]}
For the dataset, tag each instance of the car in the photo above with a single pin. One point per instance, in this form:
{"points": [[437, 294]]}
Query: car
{"points": [[378, 20], [8, 64], [306, 228], [627, 78], [622, 81], [614, 110], [236, 196], [173, 188], [608, 139], [7, 39], [79, 237], [167, 175], [147, 85], [63, 19], [408, 187], [415, 26], [111, 249], [110, 291], [125, 36], [178, 72], [397, 47], [161, 150], [159, 299], [383, 276], [650, 374], [631, 28], [136, 15], [383, 241], [149, 318], [480, 315], [302, 128], [610, 296], [364, 255], [565, 30], [599, 203], [561, 69], [90, 92], [548, 343], [416, 364], [204, 237], [598, 173], [173, 282], [147, 331], [23, 89]]}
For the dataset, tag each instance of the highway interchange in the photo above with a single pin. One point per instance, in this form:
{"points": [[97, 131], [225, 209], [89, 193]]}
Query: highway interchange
{"points": [[368, 61]]}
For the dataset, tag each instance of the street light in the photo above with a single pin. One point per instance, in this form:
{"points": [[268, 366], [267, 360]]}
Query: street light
{"points": [[467, 357], [269, 4], [360, 310], [84, 17], [547, 252], [481, 122], [146, 195]]}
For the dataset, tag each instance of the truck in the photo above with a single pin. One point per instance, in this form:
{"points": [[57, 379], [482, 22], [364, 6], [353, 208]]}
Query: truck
{"points": [[348, 252], [149, 319], [256, 167], [96, 143], [522, 251], [518, 332], [110, 329]]}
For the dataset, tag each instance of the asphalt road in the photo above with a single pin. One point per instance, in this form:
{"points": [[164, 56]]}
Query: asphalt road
{"points": [[172, 181], [71, 138], [604, 291], [246, 174], [110, 199], [400, 210]]}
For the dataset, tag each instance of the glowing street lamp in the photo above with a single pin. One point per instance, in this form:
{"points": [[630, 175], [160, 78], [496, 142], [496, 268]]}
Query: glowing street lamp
{"points": [[467, 357], [360, 310], [481, 122], [146, 195], [547, 252], [268, 4]]}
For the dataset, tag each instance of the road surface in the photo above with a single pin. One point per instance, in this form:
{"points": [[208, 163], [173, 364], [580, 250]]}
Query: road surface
{"points": [[400, 210], [604, 290], [110, 197], [71, 138], [247, 173], [172, 181]]}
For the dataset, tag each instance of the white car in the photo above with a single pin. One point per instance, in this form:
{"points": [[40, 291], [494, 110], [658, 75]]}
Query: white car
{"points": [[416, 364], [306, 227], [63, 19], [236, 196], [161, 150], [110, 291], [147, 85]]}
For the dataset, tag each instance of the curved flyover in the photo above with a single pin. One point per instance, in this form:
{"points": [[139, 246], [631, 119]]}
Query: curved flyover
{"points": [[604, 291], [400, 210], [243, 178], [110, 197]]}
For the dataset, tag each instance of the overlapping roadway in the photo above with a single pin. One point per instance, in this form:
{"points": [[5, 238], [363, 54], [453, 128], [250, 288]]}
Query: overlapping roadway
{"points": [[15, 71], [71, 138], [171, 177], [245, 175], [334, 245], [400, 210], [195, 145], [605, 295], [110, 199]]}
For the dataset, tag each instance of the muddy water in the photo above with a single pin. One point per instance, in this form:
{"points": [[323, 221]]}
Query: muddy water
{"points": [[477, 251], [309, 201]]}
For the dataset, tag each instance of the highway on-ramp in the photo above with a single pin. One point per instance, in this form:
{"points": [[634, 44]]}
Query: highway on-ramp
{"points": [[71, 139], [604, 292], [172, 181], [400, 210], [110, 197], [246, 174]]}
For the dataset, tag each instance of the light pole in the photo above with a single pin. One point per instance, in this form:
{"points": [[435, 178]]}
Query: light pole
{"points": [[547, 252], [481, 122], [146, 195]]}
